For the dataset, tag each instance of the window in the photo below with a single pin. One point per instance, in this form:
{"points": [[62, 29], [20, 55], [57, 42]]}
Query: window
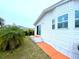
{"points": [[53, 24], [63, 21], [77, 18], [39, 30]]}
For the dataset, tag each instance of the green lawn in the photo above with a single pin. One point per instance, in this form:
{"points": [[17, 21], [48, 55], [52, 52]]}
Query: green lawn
{"points": [[29, 50]]}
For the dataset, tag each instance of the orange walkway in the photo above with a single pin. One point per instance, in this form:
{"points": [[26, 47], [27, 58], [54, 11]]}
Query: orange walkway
{"points": [[53, 53]]}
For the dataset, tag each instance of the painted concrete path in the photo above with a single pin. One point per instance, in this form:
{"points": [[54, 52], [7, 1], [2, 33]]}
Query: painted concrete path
{"points": [[48, 49], [51, 51]]}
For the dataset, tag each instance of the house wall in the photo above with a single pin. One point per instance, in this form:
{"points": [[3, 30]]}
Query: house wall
{"points": [[64, 40]]}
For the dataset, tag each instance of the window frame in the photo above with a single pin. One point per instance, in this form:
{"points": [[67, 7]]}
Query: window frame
{"points": [[62, 21], [76, 18], [38, 29], [53, 24]]}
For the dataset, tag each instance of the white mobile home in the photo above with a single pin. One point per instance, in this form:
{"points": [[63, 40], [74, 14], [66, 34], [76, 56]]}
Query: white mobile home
{"points": [[59, 27]]}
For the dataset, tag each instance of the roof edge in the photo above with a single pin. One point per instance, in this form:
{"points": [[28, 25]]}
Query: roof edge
{"points": [[45, 11]]}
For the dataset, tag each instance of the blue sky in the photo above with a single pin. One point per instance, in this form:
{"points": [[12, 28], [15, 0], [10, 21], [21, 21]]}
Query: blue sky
{"points": [[23, 12]]}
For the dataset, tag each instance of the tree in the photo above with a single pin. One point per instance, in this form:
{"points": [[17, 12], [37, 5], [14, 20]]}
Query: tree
{"points": [[29, 31], [11, 37], [1, 22]]}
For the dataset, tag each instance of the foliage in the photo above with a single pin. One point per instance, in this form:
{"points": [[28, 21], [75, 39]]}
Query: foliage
{"points": [[29, 31], [1, 22], [11, 37], [29, 50]]}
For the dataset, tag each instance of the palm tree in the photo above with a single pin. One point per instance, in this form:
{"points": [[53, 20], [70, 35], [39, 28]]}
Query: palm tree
{"points": [[1, 22], [11, 37]]}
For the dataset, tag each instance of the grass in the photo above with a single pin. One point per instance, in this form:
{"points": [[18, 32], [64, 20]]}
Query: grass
{"points": [[29, 50]]}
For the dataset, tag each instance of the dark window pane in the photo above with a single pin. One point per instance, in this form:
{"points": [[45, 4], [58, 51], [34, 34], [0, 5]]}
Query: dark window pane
{"points": [[39, 30], [65, 24], [62, 18], [53, 26], [60, 25], [76, 23], [77, 14], [53, 21]]}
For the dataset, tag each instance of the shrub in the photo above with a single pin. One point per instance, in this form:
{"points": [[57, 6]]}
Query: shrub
{"points": [[1, 22], [11, 37], [29, 32]]}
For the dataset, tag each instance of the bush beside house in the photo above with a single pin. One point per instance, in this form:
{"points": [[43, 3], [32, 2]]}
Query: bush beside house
{"points": [[11, 37]]}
